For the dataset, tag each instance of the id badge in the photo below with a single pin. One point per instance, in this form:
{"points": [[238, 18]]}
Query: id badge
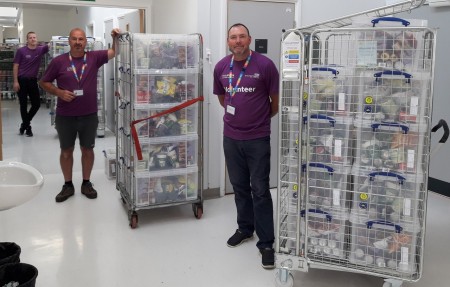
{"points": [[78, 92], [231, 110]]}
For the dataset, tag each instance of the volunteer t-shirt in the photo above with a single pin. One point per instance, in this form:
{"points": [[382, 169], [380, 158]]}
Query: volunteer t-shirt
{"points": [[251, 102], [29, 60], [60, 69]]}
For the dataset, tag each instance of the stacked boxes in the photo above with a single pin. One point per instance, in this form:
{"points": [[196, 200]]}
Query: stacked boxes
{"points": [[160, 73], [364, 155]]}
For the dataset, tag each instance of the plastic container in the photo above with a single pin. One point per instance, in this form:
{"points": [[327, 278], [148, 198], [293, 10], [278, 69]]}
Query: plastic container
{"points": [[393, 95], [326, 232], [168, 154], [327, 187], [166, 186], [388, 196], [23, 274], [9, 253], [329, 91], [329, 139], [110, 163], [384, 247], [396, 146]]}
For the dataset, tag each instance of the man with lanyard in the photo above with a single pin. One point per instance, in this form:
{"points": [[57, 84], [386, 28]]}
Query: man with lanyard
{"points": [[247, 84], [76, 113], [25, 69]]}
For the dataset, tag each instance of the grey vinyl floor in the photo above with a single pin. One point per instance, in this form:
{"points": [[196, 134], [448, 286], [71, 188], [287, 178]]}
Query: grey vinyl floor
{"points": [[89, 243]]}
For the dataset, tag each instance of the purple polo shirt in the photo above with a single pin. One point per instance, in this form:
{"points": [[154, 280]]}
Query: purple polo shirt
{"points": [[251, 102], [29, 60], [60, 69]]}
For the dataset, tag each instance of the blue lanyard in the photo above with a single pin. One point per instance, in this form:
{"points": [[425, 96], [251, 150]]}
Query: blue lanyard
{"points": [[232, 90], [74, 69]]}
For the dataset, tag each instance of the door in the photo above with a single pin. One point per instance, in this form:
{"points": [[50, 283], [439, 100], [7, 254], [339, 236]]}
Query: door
{"points": [[110, 100], [266, 24]]}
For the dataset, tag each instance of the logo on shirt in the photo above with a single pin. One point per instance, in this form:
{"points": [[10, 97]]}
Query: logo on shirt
{"points": [[254, 76], [227, 76], [69, 69], [28, 56], [241, 89]]}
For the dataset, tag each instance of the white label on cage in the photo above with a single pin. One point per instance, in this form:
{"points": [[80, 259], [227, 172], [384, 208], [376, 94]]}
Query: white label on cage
{"points": [[404, 255], [367, 53], [291, 55], [338, 148], [341, 102], [328, 141], [336, 197], [407, 207], [413, 110], [113, 167], [411, 156]]}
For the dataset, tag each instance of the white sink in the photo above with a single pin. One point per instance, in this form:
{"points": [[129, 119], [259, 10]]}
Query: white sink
{"points": [[19, 183]]}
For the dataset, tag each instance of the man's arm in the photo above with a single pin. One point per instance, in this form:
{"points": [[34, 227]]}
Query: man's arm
{"points": [[221, 100], [274, 105], [64, 95], [16, 86], [112, 51]]}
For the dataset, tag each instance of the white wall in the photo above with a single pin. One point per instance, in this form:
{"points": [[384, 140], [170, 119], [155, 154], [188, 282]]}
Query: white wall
{"points": [[315, 11], [10, 32], [83, 16], [130, 4], [46, 21], [174, 17]]}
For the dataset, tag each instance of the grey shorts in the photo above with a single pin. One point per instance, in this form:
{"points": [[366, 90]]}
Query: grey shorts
{"points": [[68, 127]]}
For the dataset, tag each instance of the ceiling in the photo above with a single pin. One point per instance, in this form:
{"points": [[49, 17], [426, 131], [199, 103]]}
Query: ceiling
{"points": [[10, 12]]}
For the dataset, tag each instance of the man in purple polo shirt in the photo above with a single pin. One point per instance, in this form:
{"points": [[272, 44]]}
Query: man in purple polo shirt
{"points": [[246, 84], [76, 112], [25, 69]]}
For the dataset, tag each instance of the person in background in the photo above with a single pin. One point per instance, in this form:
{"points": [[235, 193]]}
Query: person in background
{"points": [[247, 85], [25, 69], [76, 112]]}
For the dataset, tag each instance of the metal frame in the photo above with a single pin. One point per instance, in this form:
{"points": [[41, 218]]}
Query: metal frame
{"points": [[129, 68], [291, 199]]}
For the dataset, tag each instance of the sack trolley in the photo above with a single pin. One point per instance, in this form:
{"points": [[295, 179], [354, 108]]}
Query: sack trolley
{"points": [[159, 122], [354, 151]]}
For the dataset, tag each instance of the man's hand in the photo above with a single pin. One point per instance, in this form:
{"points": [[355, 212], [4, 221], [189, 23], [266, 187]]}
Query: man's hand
{"points": [[16, 87], [66, 96], [115, 32]]}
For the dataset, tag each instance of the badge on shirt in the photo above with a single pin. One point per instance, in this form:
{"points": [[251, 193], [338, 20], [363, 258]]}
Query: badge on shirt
{"points": [[231, 110], [78, 92]]}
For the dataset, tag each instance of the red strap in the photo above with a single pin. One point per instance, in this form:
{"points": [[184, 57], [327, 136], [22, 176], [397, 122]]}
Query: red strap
{"points": [[169, 111]]}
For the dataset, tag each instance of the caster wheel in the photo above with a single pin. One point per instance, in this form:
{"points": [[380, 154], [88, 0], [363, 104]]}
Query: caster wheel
{"points": [[198, 210], [133, 220], [289, 282]]}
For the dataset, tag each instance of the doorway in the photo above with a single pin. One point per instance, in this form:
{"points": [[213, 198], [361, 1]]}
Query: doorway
{"points": [[266, 27]]}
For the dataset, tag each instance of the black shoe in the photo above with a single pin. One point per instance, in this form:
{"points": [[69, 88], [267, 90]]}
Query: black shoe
{"points": [[66, 192], [88, 190], [28, 132], [238, 238], [267, 258], [22, 129]]}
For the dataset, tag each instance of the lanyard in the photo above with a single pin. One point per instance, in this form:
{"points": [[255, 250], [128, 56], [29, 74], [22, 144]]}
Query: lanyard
{"points": [[232, 90], [74, 69]]}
